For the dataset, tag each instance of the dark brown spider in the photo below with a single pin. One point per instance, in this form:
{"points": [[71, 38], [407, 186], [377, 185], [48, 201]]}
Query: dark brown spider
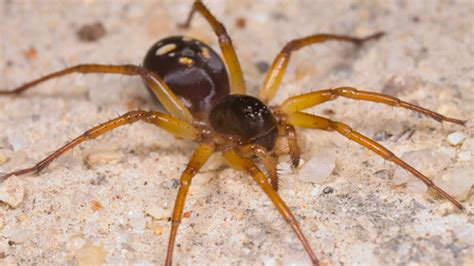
{"points": [[207, 105]]}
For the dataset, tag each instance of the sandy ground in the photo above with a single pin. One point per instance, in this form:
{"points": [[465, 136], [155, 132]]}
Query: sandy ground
{"points": [[109, 200]]}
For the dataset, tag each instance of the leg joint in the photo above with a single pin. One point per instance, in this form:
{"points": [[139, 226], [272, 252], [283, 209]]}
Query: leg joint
{"points": [[344, 91], [222, 34], [191, 170], [185, 183], [290, 47]]}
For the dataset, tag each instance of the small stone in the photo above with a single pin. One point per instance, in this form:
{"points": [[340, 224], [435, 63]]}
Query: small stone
{"points": [[19, 235], [156, 212], [382, 135], [269, 261], [465, 233], [294, 259], [445, 209], [456, 138], [91, 32], [158, 231], [328, 190], [90, 255], [262, 66], [315, 191], [428, 161], [3, 158], [103, 157], [385, 173], [12, 191], [318, 168], [457, 181], [468, 145], [96, 206], [215, 162], [465, 156], [449, 151], [138, 221], [18, 141]]}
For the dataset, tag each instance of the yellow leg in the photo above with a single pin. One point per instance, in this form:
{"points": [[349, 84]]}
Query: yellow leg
{"points": [[291, 147], [277, 69], [266, 158], [295, 151], [307, 100], [312, 121], [238, 162], [173, 125], [169, 100], [237, 82], [200, 156]]}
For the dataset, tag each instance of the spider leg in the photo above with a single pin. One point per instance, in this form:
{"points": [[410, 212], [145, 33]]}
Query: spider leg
{"points": [[267, 159], [301, 102], [291, 147], [295, 151], [169, 100], [173, 125], [238, 162], [199, 157], [305, 120], [237, 82], [277, 69]]}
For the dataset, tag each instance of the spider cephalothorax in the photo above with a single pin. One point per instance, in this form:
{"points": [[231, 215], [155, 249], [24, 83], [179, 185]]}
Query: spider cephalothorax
{"points": [[205, 101], [247, 117]]}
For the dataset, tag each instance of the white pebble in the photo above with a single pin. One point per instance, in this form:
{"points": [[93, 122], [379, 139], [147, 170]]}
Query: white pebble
{"points": [[428, 161], [19, 235], [318, 168], [457, 181], [138, 221], [12, 191], [18, 141], [315, 191], [417, 186], [468, 145], [465, 233], [156, 212], [143, 263], [465, 156], [456, 138], [103, 157], [129, 175], [269, 261], [214, 163]]}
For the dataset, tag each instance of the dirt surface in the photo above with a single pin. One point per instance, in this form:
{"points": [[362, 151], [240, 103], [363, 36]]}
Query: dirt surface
{"points": [[109, 200]]}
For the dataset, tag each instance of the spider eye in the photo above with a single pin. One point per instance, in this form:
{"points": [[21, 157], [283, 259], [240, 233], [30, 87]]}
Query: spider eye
{"points": [[247, 117]]}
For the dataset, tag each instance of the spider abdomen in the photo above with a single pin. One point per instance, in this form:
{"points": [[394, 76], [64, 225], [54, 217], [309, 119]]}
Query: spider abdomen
{"points": [[247, 117], [192, 70]]}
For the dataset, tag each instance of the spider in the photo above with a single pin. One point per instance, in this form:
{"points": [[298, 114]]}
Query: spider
{"points": [[205, 101]]}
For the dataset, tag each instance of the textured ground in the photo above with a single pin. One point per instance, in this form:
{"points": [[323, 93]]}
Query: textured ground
{"points": [[109, 200]]}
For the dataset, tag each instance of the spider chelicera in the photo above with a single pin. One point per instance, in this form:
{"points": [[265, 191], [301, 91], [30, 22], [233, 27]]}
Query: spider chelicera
{"points": [[205, 102]]}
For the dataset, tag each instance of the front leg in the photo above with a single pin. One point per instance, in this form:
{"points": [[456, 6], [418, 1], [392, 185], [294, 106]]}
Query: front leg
{"points": [[164, 94], [173, 125]]}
